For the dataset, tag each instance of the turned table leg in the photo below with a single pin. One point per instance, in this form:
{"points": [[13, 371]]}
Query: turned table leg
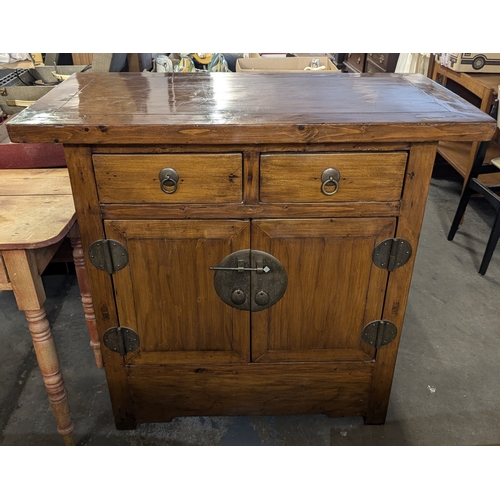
{"points": [[88, 308], [48, 363], [29, 292]]}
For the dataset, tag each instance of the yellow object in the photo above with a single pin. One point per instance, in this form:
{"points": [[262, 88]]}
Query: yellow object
{"points": [[203, 58], [19, 102], [37, 58], [59, 77]]}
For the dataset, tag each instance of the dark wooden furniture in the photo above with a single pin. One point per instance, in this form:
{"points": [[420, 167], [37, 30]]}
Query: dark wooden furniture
{"points": [[305, 192], [381, 63], [370, 63], [481, 90], [338, 60], [37, 214], [354, 63]]}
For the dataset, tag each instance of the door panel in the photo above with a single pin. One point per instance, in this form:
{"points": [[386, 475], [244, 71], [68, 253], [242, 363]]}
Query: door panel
{"points": [[334, 289], [166, 292]]}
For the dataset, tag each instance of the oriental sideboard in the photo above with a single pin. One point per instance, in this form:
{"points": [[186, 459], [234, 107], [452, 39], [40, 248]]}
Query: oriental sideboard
{"points": [[249, 238]]}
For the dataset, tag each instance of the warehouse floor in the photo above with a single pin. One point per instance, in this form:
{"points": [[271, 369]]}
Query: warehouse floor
{"points": [[446, 387]]}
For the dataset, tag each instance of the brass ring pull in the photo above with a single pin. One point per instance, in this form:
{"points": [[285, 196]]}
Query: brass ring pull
{"points": [[168, 178], [330, 182], [330, 177], [164, 184]]}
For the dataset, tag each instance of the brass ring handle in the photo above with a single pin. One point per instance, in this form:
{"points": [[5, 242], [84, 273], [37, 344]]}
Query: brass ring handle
{"points": [[164, 184], [168, 178], [330, 177], [330, 182]]}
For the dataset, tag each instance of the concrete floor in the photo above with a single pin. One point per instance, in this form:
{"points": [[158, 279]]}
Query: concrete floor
{"points": [[445, 389]]}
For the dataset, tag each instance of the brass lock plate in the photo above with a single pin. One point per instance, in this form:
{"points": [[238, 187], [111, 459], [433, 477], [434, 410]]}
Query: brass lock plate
{"points": [[250, 280]]}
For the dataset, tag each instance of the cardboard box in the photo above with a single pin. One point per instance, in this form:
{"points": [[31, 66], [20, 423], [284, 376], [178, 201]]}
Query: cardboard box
{"points": [[474, 62], [284, 64]]}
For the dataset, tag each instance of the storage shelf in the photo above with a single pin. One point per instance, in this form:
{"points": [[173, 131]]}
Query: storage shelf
{"points": [[480, 89], [458, 155]]}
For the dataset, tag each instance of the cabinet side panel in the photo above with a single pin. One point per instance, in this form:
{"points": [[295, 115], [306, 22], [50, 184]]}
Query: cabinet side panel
{"points": [[418, 175], [79, 161]]}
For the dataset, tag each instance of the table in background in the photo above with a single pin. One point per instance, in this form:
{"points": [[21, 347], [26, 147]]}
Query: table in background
{"points": [[37, 214]]}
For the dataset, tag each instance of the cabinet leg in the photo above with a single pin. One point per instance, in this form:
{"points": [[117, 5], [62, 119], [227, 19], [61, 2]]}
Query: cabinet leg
{"points": [[88, 307], [48, 363]]}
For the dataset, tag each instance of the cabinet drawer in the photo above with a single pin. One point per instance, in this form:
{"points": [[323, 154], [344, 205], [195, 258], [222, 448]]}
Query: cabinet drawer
{"points": [[297, 178], [202, 178], [387, 62], [371, 67], [356, 61]]}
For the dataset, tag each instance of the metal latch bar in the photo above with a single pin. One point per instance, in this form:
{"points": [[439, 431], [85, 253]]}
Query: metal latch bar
{"points": [[241, 267]]}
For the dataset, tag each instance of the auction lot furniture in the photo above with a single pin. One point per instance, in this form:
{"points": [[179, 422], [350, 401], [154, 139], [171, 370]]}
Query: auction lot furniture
{"points": [[250, 238], [36, 214]]}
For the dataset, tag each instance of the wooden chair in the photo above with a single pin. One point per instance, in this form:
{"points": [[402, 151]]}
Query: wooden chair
{"points": [[489, 192], [37, 214]]}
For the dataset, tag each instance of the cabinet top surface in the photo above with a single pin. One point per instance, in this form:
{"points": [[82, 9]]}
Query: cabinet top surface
{"points": [[211, 108]]}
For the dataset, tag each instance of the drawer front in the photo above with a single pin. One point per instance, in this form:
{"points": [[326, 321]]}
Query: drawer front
{"points": [[373, 68], [202, 178], [297, 178], [357, 61], [386, 61]]}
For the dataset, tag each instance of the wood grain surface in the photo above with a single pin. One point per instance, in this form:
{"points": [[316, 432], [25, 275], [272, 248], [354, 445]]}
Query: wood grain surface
{"points": [[334, 289], [34, 222], [225, 108], [166, 292], [203, 178], [161, 393], [35, 182], [296, 178]]}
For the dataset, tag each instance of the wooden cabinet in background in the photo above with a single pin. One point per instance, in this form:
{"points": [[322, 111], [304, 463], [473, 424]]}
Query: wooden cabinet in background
{"points": [[381, 63], [250, 238], [354, 63], [370, 63], [481, 90]]}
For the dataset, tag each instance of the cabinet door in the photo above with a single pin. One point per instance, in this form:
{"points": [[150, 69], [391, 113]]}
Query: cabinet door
{"points": [[166, 293], [333, 291]]}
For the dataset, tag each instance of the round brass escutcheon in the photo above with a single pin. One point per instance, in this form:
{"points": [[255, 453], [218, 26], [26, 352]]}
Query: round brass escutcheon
{"points": [[168, 179], [242, 276], [330, 178], [262, 298]]}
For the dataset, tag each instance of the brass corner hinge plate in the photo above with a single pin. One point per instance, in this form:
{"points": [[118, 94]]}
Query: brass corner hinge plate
{"points": [[121, 340], [392, 253], [108, 255], [379, 333]]}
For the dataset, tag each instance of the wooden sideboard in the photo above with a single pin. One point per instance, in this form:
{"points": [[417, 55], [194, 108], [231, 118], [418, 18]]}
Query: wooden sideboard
{"points": [[250, 239], [481, 90], [370, 62]]}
